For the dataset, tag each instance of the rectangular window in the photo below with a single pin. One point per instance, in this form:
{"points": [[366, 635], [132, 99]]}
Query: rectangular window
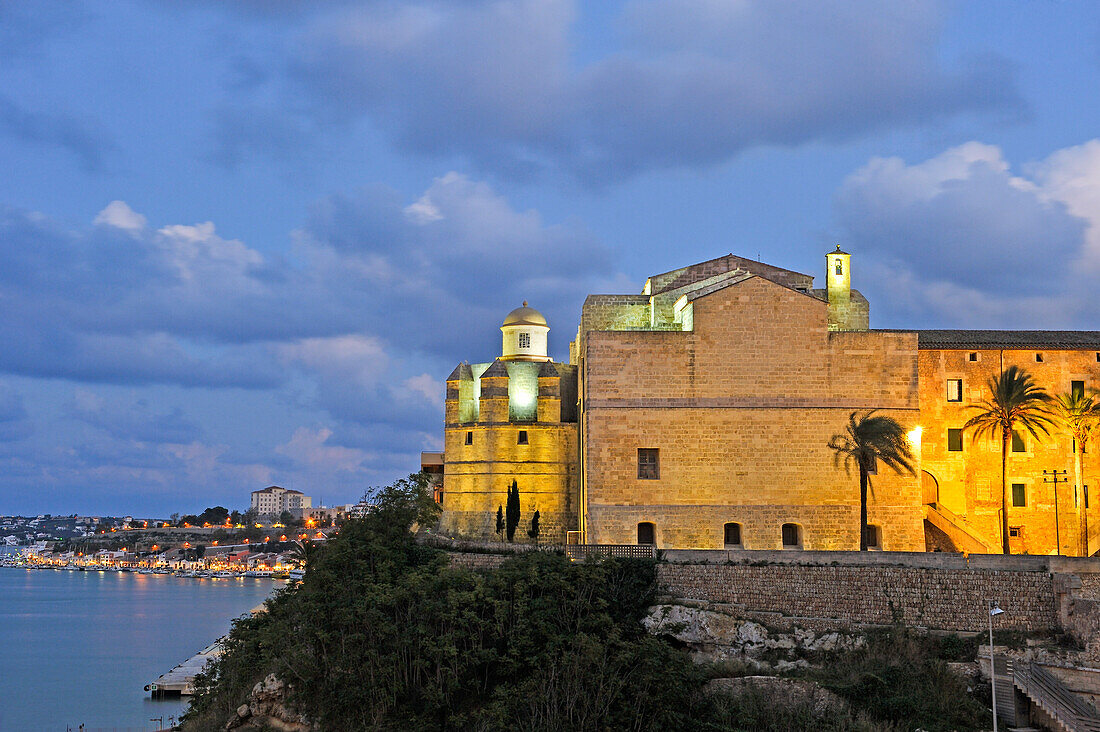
{"points": [[1077, 389], [954, 390], [1019, 495], [790, 535], [872, 469], [732, 534], [1014, 532], [1038, 358], [954, 440], [649, 466], [524, 340], [1085, 491], [973, 357], [1018, 442], [469, 438], [522, 439]]}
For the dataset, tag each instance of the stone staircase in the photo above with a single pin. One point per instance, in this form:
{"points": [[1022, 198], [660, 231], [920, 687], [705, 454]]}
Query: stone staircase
{"points": [[964, 536], [1067, 710]]}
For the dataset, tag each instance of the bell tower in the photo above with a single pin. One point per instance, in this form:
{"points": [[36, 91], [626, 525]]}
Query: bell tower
{"points": [[838, 284]]}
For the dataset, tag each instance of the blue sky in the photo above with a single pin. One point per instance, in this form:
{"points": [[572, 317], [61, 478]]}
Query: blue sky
{"points": [[244, 242]]}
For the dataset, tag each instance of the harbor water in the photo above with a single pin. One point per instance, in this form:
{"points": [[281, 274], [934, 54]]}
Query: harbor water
{"points": [[78, 647]]}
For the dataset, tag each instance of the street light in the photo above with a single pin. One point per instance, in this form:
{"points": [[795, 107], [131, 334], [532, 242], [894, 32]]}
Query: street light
{"points": [[994, 610]]}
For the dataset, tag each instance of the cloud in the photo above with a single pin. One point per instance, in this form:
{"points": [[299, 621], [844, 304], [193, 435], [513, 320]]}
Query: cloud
{"points": [[14, 421], [308, 447], [120, 216], [134, 420], [507, 85], [960, 240], [59, 130]]}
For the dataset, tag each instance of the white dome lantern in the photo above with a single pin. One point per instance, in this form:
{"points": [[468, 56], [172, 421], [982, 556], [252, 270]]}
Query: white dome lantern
{"points": [[524, 335]]}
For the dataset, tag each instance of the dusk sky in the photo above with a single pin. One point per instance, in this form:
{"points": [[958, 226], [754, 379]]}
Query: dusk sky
{"points": [[244, 243]]}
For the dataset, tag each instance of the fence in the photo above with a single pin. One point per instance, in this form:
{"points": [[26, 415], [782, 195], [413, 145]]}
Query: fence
{"points": [[632, 551], [1055, 699]]}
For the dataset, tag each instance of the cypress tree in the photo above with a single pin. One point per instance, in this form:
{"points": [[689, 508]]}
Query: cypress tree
{"points": [[500, 521], [533, 532], [511, 512]]}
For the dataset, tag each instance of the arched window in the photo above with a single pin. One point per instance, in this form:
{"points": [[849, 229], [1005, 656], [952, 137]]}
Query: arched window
{"points": [[647, 533], [732, 535], [839, 266], [792, 536]]}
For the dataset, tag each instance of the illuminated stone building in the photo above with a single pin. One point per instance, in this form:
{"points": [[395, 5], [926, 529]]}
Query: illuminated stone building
{"points": [[696, 414]]}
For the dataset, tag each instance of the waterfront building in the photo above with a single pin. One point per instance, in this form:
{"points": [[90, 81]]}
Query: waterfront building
{"points": [[273, 500], [696, 414]]}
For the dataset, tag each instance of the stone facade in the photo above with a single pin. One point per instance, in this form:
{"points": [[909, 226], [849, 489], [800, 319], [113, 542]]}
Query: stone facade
{"points": [[740, 409], [967, 482], [727, 378]]}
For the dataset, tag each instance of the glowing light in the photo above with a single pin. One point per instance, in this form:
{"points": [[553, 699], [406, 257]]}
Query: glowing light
{"points": [[914, 436]]}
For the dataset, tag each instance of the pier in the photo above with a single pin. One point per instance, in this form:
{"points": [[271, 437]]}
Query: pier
{"points": [[179, 681]]}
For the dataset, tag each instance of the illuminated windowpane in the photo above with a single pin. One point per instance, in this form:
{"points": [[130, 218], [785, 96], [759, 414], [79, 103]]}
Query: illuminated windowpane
{"points": [[954, 390]]}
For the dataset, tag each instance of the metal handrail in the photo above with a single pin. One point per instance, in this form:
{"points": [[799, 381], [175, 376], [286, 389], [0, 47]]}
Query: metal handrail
{"points": [[1052, 695]]}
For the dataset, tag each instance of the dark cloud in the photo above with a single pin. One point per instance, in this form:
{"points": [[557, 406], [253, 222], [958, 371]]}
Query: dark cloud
{"points": [[961, 241], [14, 421], [52, 129], [691, 83], [135, 420]]}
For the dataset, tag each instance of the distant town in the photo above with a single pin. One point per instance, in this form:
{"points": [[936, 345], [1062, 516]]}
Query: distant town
{"points": [[272, 537]]}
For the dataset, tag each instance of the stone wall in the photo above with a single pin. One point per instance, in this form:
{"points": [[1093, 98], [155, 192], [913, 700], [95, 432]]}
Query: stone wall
{"points": [[941, 599], [740, 411], [969, 481], [476, 561]]}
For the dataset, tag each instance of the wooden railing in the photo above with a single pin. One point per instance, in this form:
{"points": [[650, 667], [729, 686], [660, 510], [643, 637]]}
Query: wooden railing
{"points": [[634, 551], [1050, 694]]}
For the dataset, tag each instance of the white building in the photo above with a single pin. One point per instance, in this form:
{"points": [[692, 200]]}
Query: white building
{"points": [[273, 500]]}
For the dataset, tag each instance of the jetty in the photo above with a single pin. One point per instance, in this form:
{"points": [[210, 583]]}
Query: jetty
{"points": [[179, 681]]}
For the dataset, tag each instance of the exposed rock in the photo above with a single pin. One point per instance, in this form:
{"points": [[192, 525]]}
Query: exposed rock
{"points": [[267, 709], [784, 692], [714, 635]]}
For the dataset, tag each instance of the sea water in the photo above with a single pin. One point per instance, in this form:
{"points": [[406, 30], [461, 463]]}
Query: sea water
{"points": [[78, 647]]}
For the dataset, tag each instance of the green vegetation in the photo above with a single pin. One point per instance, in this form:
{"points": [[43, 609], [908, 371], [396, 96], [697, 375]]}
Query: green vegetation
{"points": [[384, 634], [868, 440]]}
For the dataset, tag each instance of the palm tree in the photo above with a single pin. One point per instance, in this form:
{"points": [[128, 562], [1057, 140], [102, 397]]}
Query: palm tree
{"points": [[1015, 400], [1079, 414], [869, 439]]}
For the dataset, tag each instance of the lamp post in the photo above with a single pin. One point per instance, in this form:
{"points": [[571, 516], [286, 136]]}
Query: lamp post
{"points": [[993, 610]]}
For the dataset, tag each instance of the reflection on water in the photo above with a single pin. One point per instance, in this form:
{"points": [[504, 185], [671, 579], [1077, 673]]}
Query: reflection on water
{"points": [[78, 647]]}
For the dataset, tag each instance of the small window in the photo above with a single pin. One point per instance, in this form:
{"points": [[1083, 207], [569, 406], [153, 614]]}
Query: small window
{"points": [[874, 537], [732, 534], [1014, 532], [1018, 444], [647, 533], [872, 469], [649, 465], [954, 440], [522, 439], [839, 267], [792, 536], [973, 357], [1098, 357], [524, 340], [1019, 495], [1077, 389], [954, 390], [1085, 494], [469, 438], [1038, 358]]}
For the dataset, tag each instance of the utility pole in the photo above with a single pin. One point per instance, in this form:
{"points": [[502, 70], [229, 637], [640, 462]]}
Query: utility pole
{"points": [[1056, 477]]}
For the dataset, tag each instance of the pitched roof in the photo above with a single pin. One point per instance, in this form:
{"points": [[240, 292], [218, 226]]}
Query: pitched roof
{"points": [[1066, 340], [687, 275]]}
